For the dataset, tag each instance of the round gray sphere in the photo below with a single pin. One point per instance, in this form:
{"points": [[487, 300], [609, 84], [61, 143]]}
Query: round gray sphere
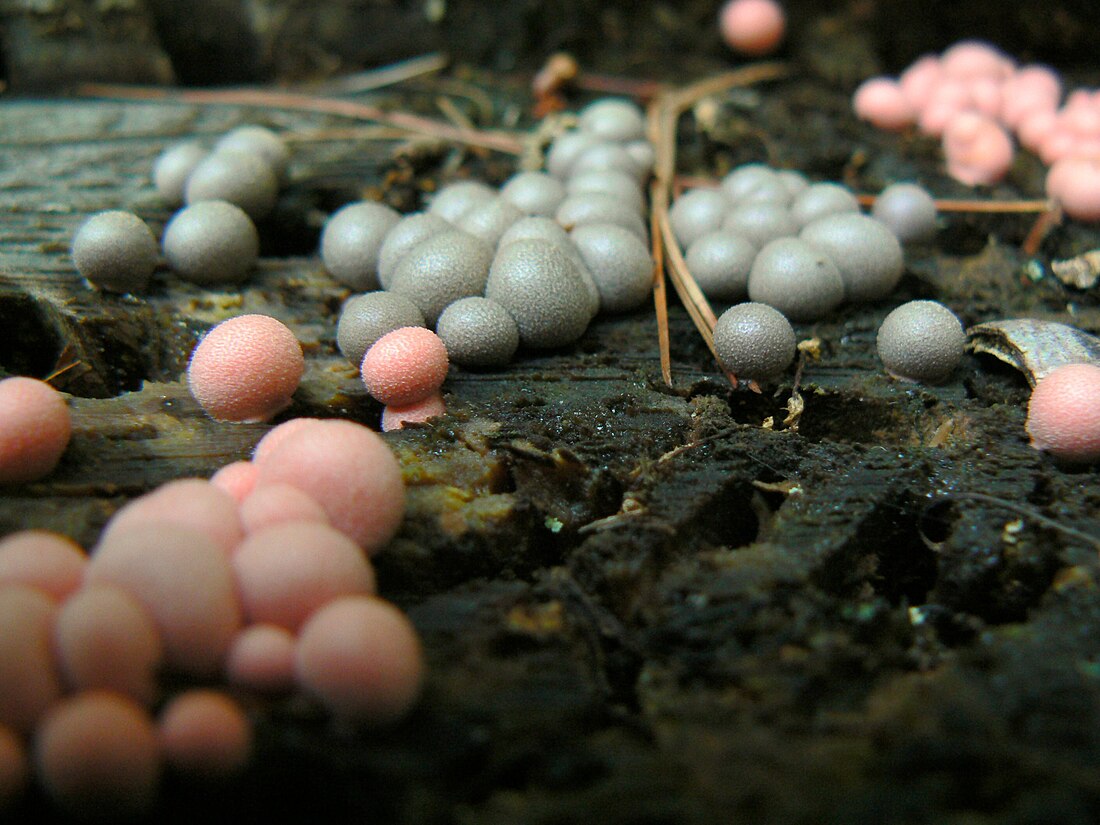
{"points": [[620, 264], [797, 279], [754, 341], [258, 140], [795, 181], [613, 119], [534, 193], [541, 288], [746, 178], [761, 221], [489, 220], [478, 332], [547, 229], [605, 156], [172, 169], [352, 239], [116, 251], [643, 154], [908, 210], [821, 199], [579, 210], [403, 236], [238, 177], [616, 184], [211, 242], [366, 318], [696, 213], [921, 341], [867, 254], [441, 269], [564, 151], [720, 263], [455, 199]]}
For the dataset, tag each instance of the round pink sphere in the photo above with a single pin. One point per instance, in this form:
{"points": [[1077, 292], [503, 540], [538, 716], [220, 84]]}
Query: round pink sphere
{"points": [[29, 679], [35, 429], [246, 369], [918, 81], [1063, 416], [275, 504], [237, 478], [752, 27], [104, 638], [286, 572], [405, 366], [261, 658], [978, 150], [184, 580], [361, 657], [192, 503], [205, 734], [395, 418], [969, 59], [38, 558], [273, 437], [1075, 184], [347, 469], [881, 101], [97, 756]]}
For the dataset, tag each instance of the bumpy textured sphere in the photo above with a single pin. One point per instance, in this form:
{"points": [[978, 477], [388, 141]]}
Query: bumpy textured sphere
{"points": [[366, 318], [440, 270], [720, 263], [609, 155], [478, 332], [754, 341], [740, 184], [407, 233], [116, 250], [592, 207], [797, 279], [697, 212], [210, 243], [246, 369], [542, 289], [761, 221], [865, 251], [238, 177], [256, 140], [565, 150], [620, 264], [613, 119], [405, 366], [455, 199], [172, 169], [622, 187], [908, 211], [352, 240], [1063, 415], [35, 428], [921, 341], [821, 199], [534, 193], [489, 220]]}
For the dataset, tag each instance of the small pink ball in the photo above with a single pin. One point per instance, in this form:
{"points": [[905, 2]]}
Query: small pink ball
{"points": [[261, 658], [275, 504], [1063, 415], [29, 679], [184, 580], [977, 149], [193, 503], [1075, 184], [237, 479], [405, 366], [97, 756], [881, 101], [35, 429], [1059, 143], [246, 369], [1034, 127], [286, 572], [361, 657], [752, 27], [273, 437], [395, 418], [918, 81], [205, 734], [48, 561], [350, 471], [969, 59]]}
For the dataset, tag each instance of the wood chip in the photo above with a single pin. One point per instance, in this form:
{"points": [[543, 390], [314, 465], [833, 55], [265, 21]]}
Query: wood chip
{"points": [[1033, 346]]}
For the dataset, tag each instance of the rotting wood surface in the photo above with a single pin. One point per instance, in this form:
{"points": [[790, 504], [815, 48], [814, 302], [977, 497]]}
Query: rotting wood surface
{"points": [[639, 605]]}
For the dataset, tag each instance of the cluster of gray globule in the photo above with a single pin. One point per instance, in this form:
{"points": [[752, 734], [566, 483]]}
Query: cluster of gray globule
{"points": [[530, 264], [798, 250], [212, 240]]}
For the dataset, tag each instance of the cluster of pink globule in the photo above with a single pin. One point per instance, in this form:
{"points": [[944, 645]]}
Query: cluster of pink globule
{"points": [[260, 578], [976, 98]]}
